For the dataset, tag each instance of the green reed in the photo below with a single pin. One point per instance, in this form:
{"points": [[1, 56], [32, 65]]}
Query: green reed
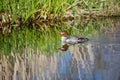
{"points": [[26, 8]]}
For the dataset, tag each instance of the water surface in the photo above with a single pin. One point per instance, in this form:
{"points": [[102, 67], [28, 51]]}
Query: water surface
{"points": [[97, 59]]}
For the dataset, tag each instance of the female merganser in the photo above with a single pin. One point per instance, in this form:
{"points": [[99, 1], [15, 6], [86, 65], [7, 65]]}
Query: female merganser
{"points": [[71, 39]]}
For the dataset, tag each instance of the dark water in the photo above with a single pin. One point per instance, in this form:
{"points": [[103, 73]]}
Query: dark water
{"points": [[98, 59]]}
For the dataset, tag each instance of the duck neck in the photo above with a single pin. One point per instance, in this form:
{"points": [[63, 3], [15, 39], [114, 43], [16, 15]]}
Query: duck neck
{"points": [[64, 38]]}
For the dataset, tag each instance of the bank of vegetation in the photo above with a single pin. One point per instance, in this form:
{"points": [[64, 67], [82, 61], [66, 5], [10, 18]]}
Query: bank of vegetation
{"points": [[46, 13]]}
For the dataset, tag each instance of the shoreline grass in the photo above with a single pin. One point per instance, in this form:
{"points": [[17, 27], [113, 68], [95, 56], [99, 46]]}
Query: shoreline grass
{"points": [[39, 10]]}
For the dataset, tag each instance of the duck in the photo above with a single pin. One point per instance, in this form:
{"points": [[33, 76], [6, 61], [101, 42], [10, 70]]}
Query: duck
{"points": [[66, 39]]}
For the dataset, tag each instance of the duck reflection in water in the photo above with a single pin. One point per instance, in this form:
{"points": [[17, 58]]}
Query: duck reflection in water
{"points": [[64, 47]]}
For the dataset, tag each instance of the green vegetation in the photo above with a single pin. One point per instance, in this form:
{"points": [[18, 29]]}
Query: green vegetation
{"points": [[27, 9]]}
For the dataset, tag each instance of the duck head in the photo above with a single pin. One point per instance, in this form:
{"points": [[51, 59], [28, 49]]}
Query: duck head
{"points": [[63, 33]]}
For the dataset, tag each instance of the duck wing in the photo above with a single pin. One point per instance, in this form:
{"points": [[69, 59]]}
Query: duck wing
{"points": [[75, 40], [72, 40]]}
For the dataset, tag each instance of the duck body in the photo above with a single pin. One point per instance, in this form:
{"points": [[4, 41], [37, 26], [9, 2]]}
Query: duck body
{"points": [[65, 39], [73, 40]]}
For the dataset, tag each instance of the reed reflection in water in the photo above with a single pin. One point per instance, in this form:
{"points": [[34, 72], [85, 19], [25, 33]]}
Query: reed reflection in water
{"points": [[80, 62]]}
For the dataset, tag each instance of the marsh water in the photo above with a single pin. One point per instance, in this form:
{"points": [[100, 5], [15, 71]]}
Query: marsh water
{"points": [[30, 57]]}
